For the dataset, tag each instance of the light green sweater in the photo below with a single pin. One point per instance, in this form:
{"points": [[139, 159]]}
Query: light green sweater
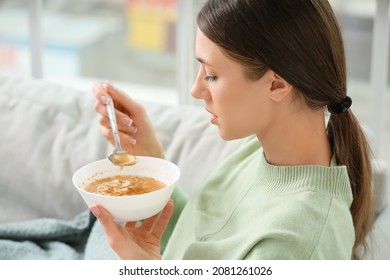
{"points": [[249, 209]]}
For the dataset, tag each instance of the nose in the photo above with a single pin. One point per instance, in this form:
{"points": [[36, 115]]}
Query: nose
{"points": [[199, 90]]}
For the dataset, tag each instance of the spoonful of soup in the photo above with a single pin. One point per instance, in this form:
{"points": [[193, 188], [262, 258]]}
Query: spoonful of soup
{"points": [[118, 156]]}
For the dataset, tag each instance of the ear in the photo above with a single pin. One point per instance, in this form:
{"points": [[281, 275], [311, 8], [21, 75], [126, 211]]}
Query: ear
{"points": [[279, 88]]}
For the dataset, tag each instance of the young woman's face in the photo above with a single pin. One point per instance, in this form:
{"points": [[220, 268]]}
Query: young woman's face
{"points": [[237, 105]]}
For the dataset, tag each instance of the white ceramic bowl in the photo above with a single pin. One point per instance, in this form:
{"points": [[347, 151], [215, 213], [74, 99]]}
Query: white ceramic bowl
{"points": [[133, 207]]}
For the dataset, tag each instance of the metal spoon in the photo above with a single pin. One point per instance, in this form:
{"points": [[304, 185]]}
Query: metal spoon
{"points": [[119, 156]]}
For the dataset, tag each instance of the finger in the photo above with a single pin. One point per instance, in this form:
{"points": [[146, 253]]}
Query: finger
{"points": [[130, 224], [149, 223], [100, 108], [111, 229], [127, 139], [100, 93], [107, 133], [162, 223], [124, 123], [124, 136], [161, 220]]}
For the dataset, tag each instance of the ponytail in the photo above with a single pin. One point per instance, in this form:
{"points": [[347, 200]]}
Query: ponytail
{"points": [[351, 149]]}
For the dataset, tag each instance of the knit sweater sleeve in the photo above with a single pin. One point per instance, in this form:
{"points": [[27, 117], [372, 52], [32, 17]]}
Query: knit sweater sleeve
{"points": [[179, 198]]}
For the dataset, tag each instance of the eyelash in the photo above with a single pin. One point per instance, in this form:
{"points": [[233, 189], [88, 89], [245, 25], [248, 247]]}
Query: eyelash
{"points": [[210, 78]]}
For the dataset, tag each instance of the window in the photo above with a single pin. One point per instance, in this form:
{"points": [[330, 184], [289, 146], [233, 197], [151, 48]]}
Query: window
{"points": [[366, 30], [129, 41]]}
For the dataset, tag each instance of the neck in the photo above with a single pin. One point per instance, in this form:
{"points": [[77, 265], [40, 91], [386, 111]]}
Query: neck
{"points": [[297, 139]]}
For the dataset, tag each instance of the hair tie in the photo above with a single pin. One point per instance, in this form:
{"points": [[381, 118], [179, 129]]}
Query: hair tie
{"points": [[340, 107]]}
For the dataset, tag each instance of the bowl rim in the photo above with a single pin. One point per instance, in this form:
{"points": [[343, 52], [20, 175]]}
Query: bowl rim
{"points": [[116, 197]]}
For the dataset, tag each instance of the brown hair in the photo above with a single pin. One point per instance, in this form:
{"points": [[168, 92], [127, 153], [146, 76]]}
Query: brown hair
{"points": [[301, 41]]}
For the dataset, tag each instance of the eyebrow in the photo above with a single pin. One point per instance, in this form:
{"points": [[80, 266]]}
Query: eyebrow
{"points": [[201, 60]]}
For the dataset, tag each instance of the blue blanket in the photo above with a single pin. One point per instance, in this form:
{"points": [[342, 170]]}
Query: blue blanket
{"points": [[46, 238]]}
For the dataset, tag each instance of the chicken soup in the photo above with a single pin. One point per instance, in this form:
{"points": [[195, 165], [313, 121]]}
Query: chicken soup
{"points": [[124, 185]]}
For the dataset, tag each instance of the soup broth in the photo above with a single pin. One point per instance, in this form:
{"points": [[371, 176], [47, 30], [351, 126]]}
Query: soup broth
{"points": [[124, 185]]}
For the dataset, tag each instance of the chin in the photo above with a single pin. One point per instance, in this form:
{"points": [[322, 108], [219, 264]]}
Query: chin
{"points": [[224, 136], [229, 136]]}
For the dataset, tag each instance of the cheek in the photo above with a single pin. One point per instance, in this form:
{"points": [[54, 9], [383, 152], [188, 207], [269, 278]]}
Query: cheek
{"points": [[239, 119]]}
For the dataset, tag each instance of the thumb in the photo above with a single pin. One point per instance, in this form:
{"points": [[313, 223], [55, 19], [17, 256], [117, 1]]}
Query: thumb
{"points": [[106, 220]]}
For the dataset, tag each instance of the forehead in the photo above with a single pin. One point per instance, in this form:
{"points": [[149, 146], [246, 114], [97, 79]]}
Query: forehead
{"points": [[207, 51]]}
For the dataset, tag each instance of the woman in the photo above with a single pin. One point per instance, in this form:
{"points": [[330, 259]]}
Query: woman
{"points": [[274, 70]]}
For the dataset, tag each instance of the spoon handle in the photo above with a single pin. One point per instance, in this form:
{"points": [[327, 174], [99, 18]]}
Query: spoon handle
{"points": [[111, 112], [111, 115], [114, 126]]}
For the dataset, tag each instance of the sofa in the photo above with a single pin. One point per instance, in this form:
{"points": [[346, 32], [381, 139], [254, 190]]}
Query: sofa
{"points": [[48, 131]]}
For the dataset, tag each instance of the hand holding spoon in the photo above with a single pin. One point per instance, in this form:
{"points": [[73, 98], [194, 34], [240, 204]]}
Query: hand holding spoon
{"points": [[119, 156]]}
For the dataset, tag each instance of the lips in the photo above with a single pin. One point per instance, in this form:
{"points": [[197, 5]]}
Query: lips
{"points": [[213, 116]]}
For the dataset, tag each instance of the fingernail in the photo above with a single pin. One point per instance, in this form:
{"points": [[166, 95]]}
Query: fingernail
{"points": [[104, 85], [133, 141], [133, 129], [109, 84], [104, 99], [127, 121], [95, 210]]}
